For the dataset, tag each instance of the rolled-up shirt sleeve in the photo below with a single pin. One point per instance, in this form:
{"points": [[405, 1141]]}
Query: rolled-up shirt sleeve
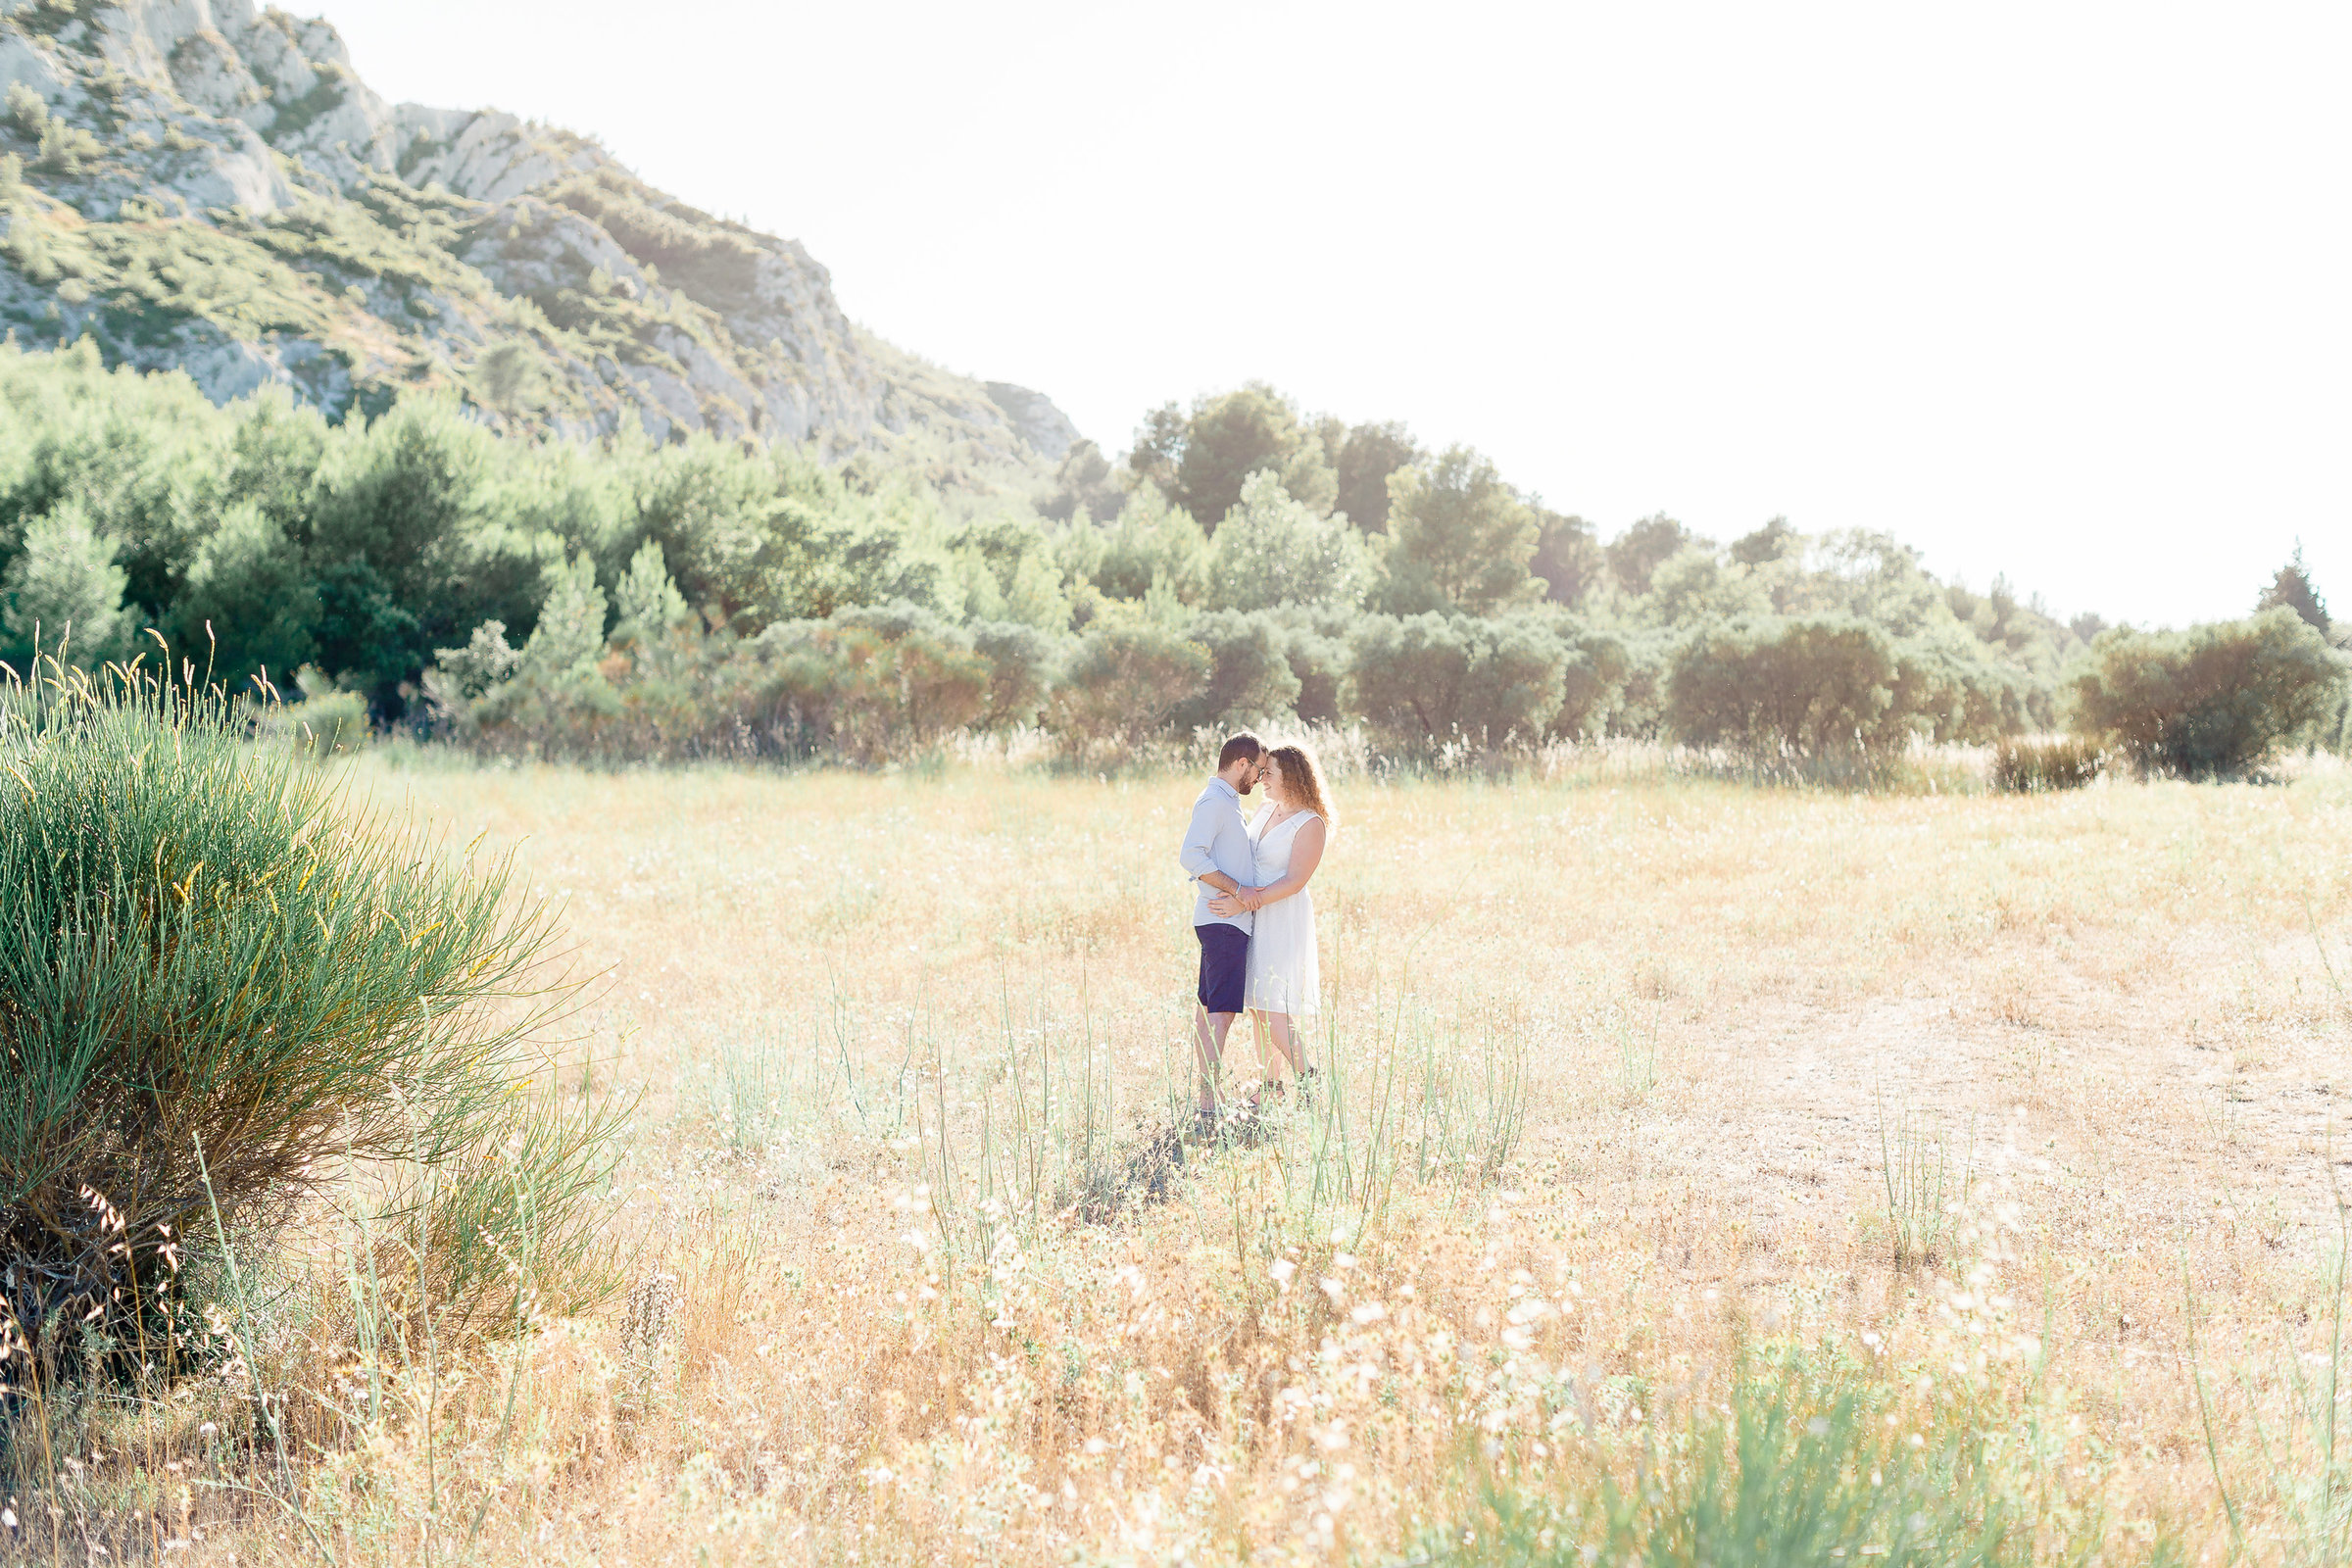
{"points": [[1199, 838]]}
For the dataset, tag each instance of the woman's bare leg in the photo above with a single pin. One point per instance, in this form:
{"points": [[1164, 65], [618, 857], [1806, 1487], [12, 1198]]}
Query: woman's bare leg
{"points": [[1282, 1059]]}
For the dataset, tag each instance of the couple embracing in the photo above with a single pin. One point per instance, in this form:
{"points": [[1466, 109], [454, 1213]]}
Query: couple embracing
{"points": [[1253, 916]]}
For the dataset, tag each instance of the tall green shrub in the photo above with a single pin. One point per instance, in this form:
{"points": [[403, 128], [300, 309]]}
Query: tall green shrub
{"points": [[1406, 674], [1955, 689], [217, 982], [1769, 685], [1592, 682], [1517, 680], [2212, 702], [1126, 682], [1151, 541], [1273, 548], [63, 581], [1200, 461], [249, 601], [872, 683], [1251, 680], [1316, 645], [648, 605], [1022, 664], [1433, 679], [405, 521], [1459, 538]]}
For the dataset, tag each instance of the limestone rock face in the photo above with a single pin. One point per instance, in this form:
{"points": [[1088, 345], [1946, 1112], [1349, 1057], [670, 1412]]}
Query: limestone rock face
{"points": [[1033, 413], [204, 185]]}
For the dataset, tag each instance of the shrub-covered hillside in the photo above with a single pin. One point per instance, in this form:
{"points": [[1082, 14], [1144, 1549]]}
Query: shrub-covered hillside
{"points": [[212, 188]]}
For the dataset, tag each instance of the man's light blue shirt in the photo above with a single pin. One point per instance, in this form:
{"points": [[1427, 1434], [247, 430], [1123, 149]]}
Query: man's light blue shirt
{"points": [[1218, 840]]}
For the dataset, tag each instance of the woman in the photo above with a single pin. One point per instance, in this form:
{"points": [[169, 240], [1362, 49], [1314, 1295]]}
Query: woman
{"points": [[1283, 990]]}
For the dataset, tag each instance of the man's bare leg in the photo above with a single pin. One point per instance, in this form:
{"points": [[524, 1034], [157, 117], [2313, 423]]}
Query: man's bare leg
{"points": [[1209, 1030]]}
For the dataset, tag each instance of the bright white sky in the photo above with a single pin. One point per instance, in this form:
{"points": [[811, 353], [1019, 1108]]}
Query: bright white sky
{"points": [[2058, 290]]}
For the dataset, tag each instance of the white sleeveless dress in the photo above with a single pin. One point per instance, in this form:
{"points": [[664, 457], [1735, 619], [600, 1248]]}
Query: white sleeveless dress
{"points": [[1283, 974]]}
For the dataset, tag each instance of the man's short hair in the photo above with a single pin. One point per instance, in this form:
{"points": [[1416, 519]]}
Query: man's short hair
{"points": [[1242, 748]]}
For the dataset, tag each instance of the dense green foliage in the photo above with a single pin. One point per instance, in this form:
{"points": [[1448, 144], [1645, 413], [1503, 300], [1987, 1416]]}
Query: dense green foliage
{"points": [[217, 985], [2212, 702], [1817, 684], [625, 599], [364, 547]]}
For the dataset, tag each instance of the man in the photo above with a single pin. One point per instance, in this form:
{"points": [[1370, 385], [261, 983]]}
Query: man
{"points": [[1220, 857]]}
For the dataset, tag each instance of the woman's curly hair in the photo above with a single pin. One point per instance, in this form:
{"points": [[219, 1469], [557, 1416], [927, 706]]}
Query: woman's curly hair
{"points": [[1302, 780]]}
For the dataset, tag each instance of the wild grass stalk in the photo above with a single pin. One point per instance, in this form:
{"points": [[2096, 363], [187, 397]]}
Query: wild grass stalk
{"points": [[1437, 1103], [289, 1497], [2213, 1447], [1922, 1185], [2296, 1457], [1637, 1057]]}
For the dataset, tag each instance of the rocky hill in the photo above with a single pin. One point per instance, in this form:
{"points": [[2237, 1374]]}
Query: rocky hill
{"points": [[201, 185]]}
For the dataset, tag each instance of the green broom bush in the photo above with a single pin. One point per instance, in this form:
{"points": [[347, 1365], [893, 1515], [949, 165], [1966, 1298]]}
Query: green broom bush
{"points": [[220, 981], [1796, 1470]]}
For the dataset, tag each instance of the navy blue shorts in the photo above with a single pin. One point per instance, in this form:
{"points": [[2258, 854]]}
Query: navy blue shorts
{"points": [[1224, 966]]}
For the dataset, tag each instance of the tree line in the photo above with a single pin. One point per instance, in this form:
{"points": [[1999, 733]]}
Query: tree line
{"points": [[1243, 562]]}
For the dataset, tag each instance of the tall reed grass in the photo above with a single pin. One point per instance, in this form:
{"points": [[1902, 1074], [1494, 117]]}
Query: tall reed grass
{"points": [[2027, 766]]}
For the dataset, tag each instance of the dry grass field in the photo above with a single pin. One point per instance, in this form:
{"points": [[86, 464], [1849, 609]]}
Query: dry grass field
{"points": [[1641, 1085]]}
